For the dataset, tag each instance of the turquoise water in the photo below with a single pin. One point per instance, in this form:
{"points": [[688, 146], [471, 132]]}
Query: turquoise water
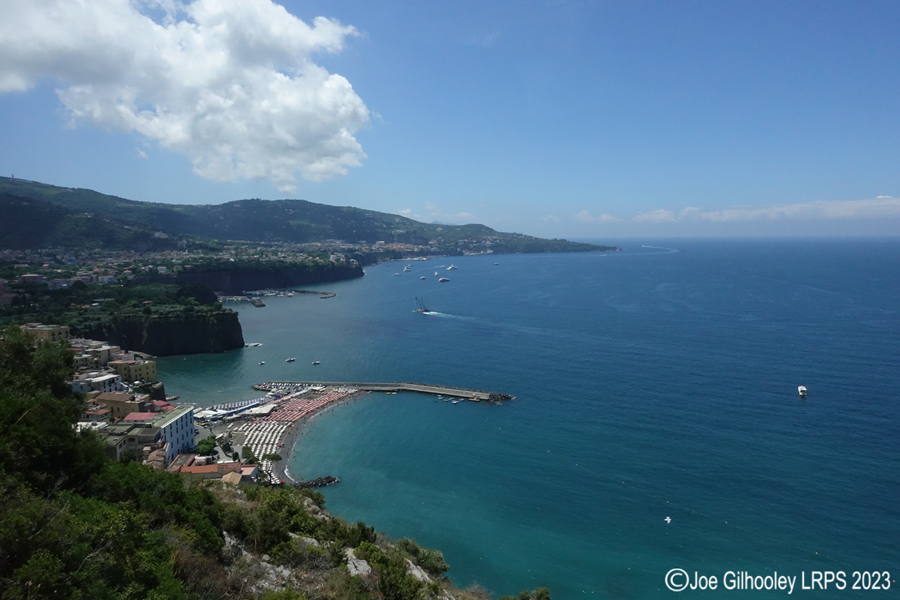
{"points": [[659, 381]]}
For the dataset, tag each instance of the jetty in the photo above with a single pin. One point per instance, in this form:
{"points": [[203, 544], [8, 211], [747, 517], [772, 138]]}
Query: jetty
{"points": [[393, 386]]}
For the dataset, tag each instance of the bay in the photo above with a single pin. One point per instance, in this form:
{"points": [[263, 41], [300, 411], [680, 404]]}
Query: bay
{"points": [[656, 382]]}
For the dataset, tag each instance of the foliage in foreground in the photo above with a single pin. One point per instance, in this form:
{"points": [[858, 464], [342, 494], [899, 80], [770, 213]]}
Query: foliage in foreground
{"points": [[75, 524]]}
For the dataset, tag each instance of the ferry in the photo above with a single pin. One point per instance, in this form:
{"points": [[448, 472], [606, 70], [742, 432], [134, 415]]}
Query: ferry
{"points": [[802, 391], [290, 360], [443, 280]]}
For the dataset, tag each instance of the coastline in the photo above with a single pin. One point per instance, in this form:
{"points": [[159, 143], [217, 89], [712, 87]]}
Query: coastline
{"points": [[290, 440]]}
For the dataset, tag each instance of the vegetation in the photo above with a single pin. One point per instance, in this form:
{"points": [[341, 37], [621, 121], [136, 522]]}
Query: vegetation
{"points": [[128, 224], [76, 524]]}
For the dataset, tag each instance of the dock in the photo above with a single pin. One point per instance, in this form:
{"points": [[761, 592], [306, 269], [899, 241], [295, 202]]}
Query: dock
{"points": [[395, 386]]}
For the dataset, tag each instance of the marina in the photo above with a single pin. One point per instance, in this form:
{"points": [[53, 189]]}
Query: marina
{"points": [[393, 386]]}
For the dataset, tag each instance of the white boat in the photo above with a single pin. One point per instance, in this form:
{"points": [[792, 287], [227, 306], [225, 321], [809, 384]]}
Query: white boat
{"points": [[396, 274], [290, 360], [443, 280], [407, 267], [315, 362], [422, 277], [420, 307], [262, 362], [802, 391], [452, 267], [435, 273]]}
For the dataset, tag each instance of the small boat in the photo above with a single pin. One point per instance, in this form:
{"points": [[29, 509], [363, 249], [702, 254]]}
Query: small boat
{"points": [[290, 360], [420, 307], [262, 362], [443, 280], [396, 274], [495, 264], [422, 277], [407, 267], [802, 391], [435, 273], [452, 267], [455, 402], [315, 362]]}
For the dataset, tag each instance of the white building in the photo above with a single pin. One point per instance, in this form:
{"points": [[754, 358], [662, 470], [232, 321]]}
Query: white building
{"points": [[97, 381]]}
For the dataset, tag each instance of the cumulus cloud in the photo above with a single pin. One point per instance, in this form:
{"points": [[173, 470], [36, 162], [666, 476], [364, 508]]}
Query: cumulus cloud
{"points": [[655, 216], [229, 83], [434, 213], [881, 207], [586, 217]]}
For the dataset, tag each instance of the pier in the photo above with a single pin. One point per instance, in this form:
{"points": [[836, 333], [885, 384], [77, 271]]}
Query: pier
{"points": [[394, 386]]}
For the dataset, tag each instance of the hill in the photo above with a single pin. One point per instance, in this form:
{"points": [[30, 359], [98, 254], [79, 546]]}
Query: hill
{"points": [[119, 223]]}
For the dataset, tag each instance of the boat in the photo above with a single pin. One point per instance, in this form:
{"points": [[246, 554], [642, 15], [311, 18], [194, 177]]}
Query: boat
{"points": [[435, 273], [422, 277], [443, 280], [420, 306], [396, 274], [802, 391], [452, 267], [407, 267], [315, 362], [262, 362], [495, 264], [290, 360], [455, 402]]}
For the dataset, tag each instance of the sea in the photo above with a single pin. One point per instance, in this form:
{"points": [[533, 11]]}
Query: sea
{"points": [[656, 423]]}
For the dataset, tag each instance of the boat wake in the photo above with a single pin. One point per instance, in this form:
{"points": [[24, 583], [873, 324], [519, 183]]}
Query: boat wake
{"points": [[667, 250]]}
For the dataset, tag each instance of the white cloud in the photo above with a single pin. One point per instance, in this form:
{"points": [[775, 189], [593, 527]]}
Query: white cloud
{"points": [[229, 83], [881, 207], [655, 216], [434, 213], [586, 217]]}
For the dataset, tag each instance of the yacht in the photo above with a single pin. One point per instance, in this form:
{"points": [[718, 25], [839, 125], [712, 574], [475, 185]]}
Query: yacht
{"points": [[290, 360], [802, 391], [452, 267], [443, 280], [422, 277]]}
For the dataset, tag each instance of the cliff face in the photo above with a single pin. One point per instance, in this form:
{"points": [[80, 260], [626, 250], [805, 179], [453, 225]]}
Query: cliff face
{"points": [[170, 335], [236, 279]]}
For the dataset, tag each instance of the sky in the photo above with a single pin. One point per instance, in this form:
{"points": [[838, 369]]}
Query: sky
{"points": [[558, 118]]}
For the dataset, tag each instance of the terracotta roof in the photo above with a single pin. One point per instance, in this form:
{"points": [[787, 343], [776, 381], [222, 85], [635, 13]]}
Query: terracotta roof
{"points": [[139, 416]]}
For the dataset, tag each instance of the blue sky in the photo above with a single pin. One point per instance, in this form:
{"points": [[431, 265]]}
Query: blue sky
{"points": [[568, 119]]}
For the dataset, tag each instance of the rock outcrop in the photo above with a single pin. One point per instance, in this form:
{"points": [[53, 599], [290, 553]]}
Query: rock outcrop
{"points": [[169, 335]]}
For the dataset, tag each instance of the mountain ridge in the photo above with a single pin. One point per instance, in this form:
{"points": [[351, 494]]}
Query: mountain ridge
{"points": [[153, 224]]}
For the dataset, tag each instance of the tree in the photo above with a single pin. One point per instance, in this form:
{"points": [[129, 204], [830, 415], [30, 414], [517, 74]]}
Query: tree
{"points": [[274, 457]]}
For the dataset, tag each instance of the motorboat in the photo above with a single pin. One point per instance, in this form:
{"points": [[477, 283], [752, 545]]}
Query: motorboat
{"points": [[262, 362], [315, 362], [452, 267], [420, 306], [802, 391], [290, 360], [443, 280], [422, 277]]}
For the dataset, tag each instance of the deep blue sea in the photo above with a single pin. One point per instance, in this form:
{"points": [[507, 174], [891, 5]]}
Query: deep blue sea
{"points": [[660, 381]]}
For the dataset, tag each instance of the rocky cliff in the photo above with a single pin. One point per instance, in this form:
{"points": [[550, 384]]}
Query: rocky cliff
{"points": [[235, 279], [169, 335]]}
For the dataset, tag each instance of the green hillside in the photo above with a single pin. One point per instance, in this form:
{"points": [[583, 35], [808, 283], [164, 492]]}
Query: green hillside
{"points": [[294, 221]]}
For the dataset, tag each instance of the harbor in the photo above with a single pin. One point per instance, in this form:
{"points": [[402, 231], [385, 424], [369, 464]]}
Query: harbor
{"points": [[265, 427], [393, 386]]}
